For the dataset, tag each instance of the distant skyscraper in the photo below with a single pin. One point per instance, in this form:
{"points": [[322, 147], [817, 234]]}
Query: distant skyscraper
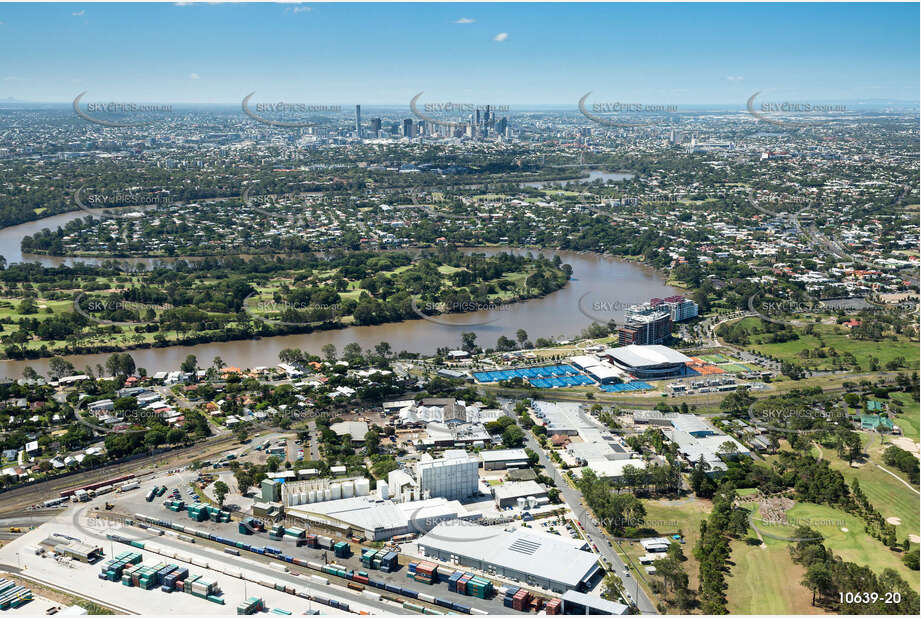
{"points": [[376, 127], [487, 118], [502, 125], [408, 127], [477, 121], [358, 121]]}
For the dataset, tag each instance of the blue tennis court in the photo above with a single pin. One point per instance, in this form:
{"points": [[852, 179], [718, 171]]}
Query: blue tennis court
{"points": [[549, 372], [623, 388]]}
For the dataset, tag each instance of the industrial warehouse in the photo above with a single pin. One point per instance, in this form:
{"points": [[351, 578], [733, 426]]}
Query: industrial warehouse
{"points": [[532, 558]]}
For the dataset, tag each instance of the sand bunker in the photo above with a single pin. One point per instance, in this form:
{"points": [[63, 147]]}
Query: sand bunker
{"points": [[914, 538], [895, 521], [843, 529], [906, 444]]}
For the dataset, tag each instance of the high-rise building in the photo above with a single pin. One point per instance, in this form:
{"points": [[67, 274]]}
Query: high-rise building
{"points": [[358, 121], [376, 127], [453, 478], [645, 327], [678, 307], [408, 127], [477, 119]]}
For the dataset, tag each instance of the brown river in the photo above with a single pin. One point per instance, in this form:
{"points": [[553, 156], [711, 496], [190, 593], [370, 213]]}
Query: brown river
{"points": [[600, 288]]}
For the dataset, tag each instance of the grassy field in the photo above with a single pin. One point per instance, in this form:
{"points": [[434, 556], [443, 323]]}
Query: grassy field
{"points": [[844, 534], [889, 496], [683, 518], [835, 337], [909, 420], [764, 580]]}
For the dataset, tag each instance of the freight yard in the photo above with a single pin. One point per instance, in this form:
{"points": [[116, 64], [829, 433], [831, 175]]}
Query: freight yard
{"points": [[127, 539]]}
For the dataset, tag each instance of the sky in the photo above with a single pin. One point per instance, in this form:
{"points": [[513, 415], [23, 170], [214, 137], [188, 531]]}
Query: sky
{"points": [[502, 54]]}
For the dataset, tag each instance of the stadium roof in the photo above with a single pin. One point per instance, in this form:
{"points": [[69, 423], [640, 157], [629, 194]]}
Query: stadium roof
{"points": [[555, 558], [648, 356]]}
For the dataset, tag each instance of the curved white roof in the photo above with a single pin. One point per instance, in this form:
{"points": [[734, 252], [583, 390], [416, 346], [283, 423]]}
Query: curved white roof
{"points": [[647, 356]]}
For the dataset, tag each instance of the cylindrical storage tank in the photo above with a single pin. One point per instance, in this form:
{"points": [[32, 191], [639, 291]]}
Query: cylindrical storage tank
{"points": [[521, 503], [311, 496], [348, 489], [532, 502], [302, 498], [362, 487], [327, 494], [335, 491], [383, 491]]}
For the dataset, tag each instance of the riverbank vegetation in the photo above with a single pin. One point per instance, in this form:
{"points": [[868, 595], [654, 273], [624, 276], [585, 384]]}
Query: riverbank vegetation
{"points": [[85, 309]]}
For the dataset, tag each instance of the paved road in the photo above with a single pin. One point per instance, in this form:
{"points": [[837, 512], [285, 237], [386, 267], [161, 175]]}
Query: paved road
{"points": [[574, 499]]}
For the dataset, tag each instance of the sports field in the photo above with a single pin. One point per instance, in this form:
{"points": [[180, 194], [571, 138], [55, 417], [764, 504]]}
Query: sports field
{"points": [[714, 358]]}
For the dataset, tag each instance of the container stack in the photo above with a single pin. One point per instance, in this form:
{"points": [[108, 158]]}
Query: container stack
{"points": [[174, 505], [453, 579], [171, 579], [479, 587], [520, 600], [250, 606], [277, 532], [390, 562], [112, 570], [554, 606], [311, 540], [342, 549], [508, 594], [426, 572]]}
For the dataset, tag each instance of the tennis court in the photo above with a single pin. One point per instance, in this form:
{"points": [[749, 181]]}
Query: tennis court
{"points": [[714, 358], [624, 388], [527, 373]]}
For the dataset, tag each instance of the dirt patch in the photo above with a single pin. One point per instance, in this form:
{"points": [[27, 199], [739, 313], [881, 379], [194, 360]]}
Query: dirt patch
{"points": [[895, 521]]}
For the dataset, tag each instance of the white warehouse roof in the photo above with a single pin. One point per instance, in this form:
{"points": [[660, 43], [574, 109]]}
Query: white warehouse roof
{"points": [[552, 557]]}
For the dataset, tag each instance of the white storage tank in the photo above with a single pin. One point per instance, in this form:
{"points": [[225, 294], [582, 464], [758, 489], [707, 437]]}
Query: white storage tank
{"points": [[335, 491], [302, 498], [521, 503], [348, 489], [327, 494], [362, 487], [311, 496], [383, 492], [532, 502]]}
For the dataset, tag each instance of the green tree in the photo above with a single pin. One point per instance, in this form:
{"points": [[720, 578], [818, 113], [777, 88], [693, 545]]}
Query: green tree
{"points": [[220, 491]]}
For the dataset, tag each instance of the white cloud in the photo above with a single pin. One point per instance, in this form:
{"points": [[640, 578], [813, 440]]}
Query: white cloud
{"points": [[298, 9], [79, 13], [464, 20], [735, 78], [194, 76], [500, 37]]}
